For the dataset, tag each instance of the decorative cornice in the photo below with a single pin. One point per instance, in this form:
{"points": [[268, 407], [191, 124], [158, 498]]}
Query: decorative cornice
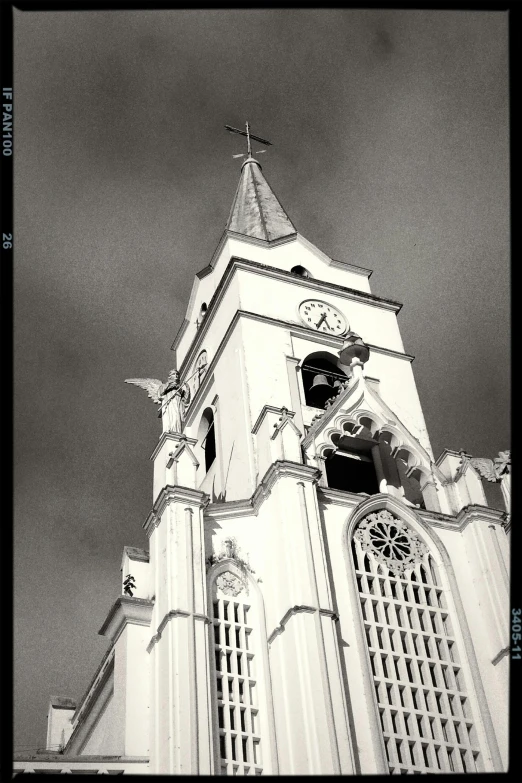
{"points": [[359, 270], [172, 614], [295, 610], [125, 610], [269, 271], [269, 409], [173, 494], [250, 506], [177, 439], [390, 352]]}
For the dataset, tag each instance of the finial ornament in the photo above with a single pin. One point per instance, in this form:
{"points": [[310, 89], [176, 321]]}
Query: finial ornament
{"points": [[249, 136], [172, 398]]}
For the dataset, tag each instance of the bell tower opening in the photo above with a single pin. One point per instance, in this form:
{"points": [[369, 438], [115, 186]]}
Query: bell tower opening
{"points": [[321, 378], [351, 471]]}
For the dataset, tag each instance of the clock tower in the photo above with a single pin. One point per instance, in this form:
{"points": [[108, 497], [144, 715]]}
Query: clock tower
{"points": [[319, 595]]}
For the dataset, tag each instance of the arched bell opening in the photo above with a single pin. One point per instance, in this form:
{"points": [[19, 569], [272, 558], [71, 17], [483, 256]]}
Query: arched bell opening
{"points": [[322, 378], [350, 467]]}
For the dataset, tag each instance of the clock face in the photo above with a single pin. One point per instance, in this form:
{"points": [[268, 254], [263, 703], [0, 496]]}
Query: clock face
{"points": [[322, 317]]}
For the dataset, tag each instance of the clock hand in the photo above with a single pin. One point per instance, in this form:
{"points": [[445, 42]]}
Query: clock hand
{"points": [[322, 318]]}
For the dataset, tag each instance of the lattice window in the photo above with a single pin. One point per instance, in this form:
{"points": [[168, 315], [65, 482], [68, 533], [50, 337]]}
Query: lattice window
{"points": [[234, 637], [423, 707]]}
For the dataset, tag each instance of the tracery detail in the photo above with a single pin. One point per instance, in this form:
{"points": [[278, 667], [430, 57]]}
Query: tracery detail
{"points": [[391, 541], [229, 583]]}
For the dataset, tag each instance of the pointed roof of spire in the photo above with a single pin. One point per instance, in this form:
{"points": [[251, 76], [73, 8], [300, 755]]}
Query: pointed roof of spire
{"points": [[256, 211]]}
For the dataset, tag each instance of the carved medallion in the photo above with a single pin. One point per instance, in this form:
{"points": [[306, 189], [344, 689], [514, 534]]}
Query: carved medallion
{"points": [[391, 541], [229, 583]]}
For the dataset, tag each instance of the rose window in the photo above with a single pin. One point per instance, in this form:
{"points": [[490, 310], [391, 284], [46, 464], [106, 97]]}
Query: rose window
{"points": [[391, 541]]}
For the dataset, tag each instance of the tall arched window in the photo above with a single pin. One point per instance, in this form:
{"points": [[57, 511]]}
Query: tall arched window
{"points": [[237, 666], [423, 706], [207, 437], [321, 378]]}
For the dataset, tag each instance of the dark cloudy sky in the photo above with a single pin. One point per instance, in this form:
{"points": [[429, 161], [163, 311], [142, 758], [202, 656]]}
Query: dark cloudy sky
{"points": [[390, 132]]}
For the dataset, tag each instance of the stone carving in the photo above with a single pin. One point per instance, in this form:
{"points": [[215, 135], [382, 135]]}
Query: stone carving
{"points": [[391, 541], [172, 398], [491, 470], [229, 583]]}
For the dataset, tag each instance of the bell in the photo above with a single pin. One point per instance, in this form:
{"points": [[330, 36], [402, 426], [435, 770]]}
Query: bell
{"points": [[320, 391]]}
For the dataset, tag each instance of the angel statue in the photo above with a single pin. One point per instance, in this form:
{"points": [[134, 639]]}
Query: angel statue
{"points": [[170, 396], [496, 471], [492, 470]]}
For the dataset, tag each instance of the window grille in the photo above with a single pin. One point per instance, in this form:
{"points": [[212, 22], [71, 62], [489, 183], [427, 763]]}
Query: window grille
{"points": [[423, 708], [238, 714]]}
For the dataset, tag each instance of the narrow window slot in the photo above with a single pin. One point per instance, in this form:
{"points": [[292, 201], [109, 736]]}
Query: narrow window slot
{"points": [[444, 727], [398, 744], [216, 634], [432, 732], [414, 698], [375, 613], [456, 726], [233, 744], [245, 753], [384, 666], [419, 725], [372, 663], [433, 623], [412, 753], [407, 723], [401, 696], [463, 760], [427, 646], [394, 722], [403, 642], [232, 721], [236, 613], [221, 719], [396, 666], [425, 755], [222, 746], [433, 678], [409, 670], [227, 635], [242, 719]]}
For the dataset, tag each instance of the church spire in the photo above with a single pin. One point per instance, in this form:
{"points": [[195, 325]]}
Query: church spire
{"points": [[256, 211]]}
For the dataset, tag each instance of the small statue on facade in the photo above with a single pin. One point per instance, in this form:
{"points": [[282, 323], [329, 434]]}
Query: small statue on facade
{"points": [[172, 398]]}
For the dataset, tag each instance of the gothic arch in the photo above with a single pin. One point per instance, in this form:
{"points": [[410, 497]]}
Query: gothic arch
{"points": [[229, 581], [438, 569]]}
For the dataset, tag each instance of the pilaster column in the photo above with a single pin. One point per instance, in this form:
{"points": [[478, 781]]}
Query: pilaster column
{"points": [[181, 714]]}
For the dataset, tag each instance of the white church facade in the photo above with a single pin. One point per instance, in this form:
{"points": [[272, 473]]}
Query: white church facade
{"points": [[318, 593]]}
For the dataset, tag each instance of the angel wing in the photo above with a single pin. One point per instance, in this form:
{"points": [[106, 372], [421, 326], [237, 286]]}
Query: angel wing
{"points": [[485, 468], [151, 386]]}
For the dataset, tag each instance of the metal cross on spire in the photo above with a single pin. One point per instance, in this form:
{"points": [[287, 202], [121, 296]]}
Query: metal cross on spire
{"points": [[249, 136]]}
